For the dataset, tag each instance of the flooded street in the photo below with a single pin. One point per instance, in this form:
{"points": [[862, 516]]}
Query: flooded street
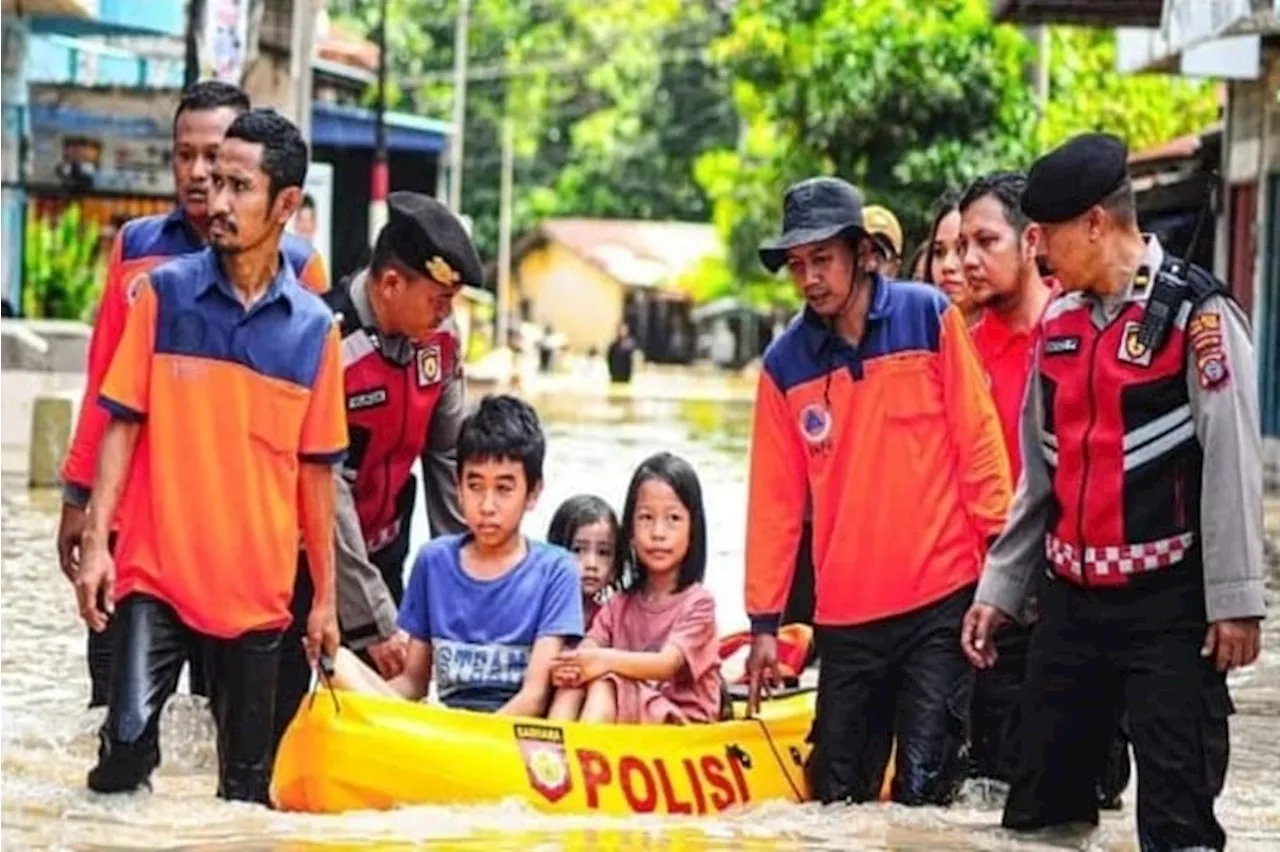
{"points": [[49, 741]]}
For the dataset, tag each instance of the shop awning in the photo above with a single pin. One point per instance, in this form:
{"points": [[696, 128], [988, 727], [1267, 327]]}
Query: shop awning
{"points": [[336, 126], [1115, 13], [54, 118]]}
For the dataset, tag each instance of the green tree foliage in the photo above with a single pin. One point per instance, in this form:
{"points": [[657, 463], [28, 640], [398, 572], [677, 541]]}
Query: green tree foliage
{"points": [[706, 110], [612, 100], [60, 265], [901, 99], [1143, 109]]}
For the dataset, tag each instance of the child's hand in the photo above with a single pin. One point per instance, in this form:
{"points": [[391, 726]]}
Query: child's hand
{"points": [[581, 665]]}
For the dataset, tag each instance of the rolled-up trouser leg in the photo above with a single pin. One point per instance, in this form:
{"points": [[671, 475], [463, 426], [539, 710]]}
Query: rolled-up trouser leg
{"points": [[294, 679], [932, 702], [149, 647], [855, 662], [243, 675]]}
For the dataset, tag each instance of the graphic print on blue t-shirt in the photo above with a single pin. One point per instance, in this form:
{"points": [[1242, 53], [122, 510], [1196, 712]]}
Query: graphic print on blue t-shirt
{"points": [[481, 631]]}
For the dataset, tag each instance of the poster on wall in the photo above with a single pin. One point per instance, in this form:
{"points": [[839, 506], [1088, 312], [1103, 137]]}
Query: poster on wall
{"points": [[313, 221], [226, 37]]}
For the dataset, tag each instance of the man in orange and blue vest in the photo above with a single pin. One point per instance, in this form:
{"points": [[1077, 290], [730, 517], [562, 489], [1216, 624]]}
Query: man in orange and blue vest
{"points": [[1142, 489], [872, 404], [205, 111], [227, 383]]}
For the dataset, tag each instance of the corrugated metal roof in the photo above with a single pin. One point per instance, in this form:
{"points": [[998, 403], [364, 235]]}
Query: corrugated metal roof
{"points": [[1096, 13]]}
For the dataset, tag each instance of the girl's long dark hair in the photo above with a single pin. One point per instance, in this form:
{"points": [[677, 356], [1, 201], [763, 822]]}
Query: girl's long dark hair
{"points": [[583, 510], [947, 203], [680, 475]]}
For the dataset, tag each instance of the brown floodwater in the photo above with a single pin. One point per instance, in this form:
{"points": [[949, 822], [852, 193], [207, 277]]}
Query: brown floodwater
{"points": [[47, 742]]}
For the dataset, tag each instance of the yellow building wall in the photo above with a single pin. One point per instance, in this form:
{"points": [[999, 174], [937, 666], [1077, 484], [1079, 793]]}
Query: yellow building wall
{"points": [[575, 298]]}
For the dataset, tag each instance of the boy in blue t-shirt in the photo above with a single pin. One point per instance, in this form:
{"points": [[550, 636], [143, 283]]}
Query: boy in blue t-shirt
{"points": [[488, 607]]}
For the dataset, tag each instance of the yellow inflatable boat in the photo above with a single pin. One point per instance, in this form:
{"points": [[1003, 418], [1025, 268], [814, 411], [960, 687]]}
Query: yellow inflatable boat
{"points": [[346, 751]]}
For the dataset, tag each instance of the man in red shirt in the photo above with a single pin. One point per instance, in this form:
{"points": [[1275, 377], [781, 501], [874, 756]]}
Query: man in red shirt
{"points": [[998, 249]]}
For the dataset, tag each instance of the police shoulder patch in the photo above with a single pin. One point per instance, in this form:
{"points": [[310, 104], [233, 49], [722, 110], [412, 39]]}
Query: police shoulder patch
{"points": [[1204, 336], [1132, 349], [430, 368]]}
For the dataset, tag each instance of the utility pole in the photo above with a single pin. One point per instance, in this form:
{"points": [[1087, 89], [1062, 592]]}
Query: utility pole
{"points": [[380, 179], [459, 107], [302, 45], [195, 23], [504, 237]]}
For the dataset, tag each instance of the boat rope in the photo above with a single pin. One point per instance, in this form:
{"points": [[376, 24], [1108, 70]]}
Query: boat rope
{"points": [[325, 668], [768, 737]]}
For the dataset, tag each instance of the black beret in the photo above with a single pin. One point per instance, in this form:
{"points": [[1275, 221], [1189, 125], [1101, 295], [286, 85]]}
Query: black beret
{"points": [[1075, 176], [426, 237]]}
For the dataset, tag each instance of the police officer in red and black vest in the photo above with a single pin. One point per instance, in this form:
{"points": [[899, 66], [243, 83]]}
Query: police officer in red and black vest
{"points": [[402, 363], [1142, 485]]}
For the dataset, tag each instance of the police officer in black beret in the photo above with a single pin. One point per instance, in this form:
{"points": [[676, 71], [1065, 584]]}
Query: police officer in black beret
{"points": [[402, 363], [1142, 486]]}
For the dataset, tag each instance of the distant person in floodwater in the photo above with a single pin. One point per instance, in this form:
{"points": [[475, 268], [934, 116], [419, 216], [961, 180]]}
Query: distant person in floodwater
{"points": [[620, 354]]}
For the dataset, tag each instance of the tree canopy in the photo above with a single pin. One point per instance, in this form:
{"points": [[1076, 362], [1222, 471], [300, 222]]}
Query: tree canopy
{"points": [[705, 110]]}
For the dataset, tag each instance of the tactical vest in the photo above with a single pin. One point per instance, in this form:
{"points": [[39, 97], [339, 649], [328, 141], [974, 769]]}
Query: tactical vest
{"points": [[389, 409], [1118, 434]]}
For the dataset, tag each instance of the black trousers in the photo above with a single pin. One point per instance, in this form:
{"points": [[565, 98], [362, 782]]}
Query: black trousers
{"points": [[98, 656], [995, 712], [150, 646], [1098, 656], [913, 664], [295, 673]]}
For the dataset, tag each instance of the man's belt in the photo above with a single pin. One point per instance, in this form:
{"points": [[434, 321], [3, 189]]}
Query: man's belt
{"points": [[1114, 565]]}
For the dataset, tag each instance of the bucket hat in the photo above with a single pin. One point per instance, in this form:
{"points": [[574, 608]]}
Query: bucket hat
{"points": [[814, 210]]}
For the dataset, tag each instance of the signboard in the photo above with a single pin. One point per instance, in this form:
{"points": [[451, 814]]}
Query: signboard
{"points": [[1187, 22], [314, 220]]}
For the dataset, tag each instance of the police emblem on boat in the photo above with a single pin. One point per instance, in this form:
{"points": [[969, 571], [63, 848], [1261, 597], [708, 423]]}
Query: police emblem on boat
{"points": [[542, 748], [1132, 351], [429, 370], [815, 423]]}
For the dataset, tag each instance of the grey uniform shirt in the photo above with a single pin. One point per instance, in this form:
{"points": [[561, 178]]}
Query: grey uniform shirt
{"points": [[1227, 426], [363, 597]]}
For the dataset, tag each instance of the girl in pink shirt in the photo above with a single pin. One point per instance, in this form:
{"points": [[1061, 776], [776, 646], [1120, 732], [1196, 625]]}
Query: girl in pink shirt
{"points": [[586, 526], [650, 656]]}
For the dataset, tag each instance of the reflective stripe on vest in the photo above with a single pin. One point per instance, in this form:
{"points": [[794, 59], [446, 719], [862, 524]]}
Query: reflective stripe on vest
{"points": [[1113, 566]]}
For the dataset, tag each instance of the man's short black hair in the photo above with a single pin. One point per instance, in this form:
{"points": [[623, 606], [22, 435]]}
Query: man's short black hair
{"points": [[308, 203], [284, 151], [1006, 188], [384, 256], [211, 94], [503, 427]]}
